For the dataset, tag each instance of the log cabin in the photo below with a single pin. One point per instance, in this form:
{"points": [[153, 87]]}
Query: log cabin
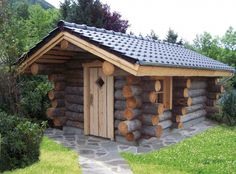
{"points": [[123, 87]]}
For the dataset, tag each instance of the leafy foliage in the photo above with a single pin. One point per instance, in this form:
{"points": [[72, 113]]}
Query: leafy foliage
{"points": [[24, 95], [34, 100], [93, 13], [54, 158], [20, 141], [228, 103]]}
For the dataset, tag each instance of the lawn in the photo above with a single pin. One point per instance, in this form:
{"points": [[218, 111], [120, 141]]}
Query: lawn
{"points": [[213, 151], [54, 159]]}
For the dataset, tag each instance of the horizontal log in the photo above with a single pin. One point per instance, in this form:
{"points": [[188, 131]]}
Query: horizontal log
{"points": [[216, 88], [75, 84], [212, 81], [189, 123], [153, 85], [131, 90], [186, 110], [212, 110], [119, 115], [129, 126], [76, 99], [195, 84], [123, 140], [153, 131], [181, 83], [55, 112], [182, 101], [74, 90], [119, 95], [76, 124], [199, 100], [59, 121], [59, 86], [133, 80], [52, 95], [149, 96], [167, 115], [119, 84], [133, 136], [74, 64], [58, 103], [133, 102], [74, 116], [130, 114], [154, 108], [74, 107], [210, 102], [45, 69], [120, 105], [191, 116], [116, 124], [77, 81], [149, 119], [179, 93], [56, 77], [165, 124], [213, 96]]}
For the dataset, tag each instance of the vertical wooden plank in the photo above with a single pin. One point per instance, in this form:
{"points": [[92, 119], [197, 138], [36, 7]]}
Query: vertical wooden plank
{"points": [[86, 101], [95, 103], [102, 106], [171, 91], [110, 107], [91, 99]]}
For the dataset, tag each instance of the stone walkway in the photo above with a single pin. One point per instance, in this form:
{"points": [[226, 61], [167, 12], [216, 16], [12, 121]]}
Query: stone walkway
{"points": [[101, 156]]}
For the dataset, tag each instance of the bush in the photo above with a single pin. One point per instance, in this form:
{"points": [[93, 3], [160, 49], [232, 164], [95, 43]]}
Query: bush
{"points": [[20, 141], [228, 104]]}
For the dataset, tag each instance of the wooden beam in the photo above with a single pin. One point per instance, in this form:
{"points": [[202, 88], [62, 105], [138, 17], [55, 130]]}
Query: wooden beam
{"points": [[39, 53], [167, 71], [62, 53], [106, 55], [50, 61], [46, 56]]}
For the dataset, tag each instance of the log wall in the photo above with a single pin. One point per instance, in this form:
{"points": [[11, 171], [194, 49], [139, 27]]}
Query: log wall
{"points": [[194, 99], [67, 96]]}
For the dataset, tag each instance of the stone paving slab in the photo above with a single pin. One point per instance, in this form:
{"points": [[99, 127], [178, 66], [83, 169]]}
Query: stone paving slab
{"points": [[102, 156]]}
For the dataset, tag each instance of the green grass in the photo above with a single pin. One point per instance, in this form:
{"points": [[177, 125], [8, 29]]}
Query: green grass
{"points": [[54, 159], [212, 152]]}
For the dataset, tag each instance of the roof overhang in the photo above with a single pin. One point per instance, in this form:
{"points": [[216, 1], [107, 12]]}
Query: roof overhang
{"points": [[135, 69]]}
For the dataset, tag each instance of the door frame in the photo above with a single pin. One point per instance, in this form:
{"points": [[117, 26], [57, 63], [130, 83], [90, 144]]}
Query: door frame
{"points": [[110, 99]]}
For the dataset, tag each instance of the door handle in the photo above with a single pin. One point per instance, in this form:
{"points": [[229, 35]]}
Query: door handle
{"points": [[91, 99]]}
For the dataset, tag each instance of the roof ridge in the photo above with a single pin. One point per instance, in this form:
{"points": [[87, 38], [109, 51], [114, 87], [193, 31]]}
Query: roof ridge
{"points": [[63, 23]]}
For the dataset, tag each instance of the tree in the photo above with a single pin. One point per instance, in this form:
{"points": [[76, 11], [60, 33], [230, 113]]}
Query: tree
{"points": [[172, 37], [93, 13], [153, 35], [219, 48]]}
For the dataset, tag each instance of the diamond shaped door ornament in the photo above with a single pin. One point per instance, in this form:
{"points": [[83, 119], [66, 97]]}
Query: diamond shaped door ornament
{"points": [[99, 82]]}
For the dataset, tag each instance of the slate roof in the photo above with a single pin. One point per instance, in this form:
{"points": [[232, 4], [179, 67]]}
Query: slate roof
{"points": [[137, 49]]}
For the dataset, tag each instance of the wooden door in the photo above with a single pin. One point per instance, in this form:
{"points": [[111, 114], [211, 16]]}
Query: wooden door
{"points": [[101, 103]]}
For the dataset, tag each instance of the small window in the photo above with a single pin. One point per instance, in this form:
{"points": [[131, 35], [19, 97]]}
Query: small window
{"points": [[164, 96]]}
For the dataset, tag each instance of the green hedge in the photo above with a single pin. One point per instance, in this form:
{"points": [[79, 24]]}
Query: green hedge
{"points": [[20, 142]]}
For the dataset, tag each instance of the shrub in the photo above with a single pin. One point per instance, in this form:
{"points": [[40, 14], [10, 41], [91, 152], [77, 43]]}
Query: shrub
{"points": [[228, 104], [20, 141]]}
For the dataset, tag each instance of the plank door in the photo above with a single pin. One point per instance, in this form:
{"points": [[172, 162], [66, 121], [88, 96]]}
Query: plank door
{"points": [[101, 122]]}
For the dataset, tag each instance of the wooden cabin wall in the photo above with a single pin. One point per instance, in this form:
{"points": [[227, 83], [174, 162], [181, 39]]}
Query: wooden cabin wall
{"points": [[193, 99], [67, 96]]}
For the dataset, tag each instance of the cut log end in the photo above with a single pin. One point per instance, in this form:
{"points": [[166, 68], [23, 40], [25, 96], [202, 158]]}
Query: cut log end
{"points": [[64, 44], [153, 97], [34, 69], [108, 68]]}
